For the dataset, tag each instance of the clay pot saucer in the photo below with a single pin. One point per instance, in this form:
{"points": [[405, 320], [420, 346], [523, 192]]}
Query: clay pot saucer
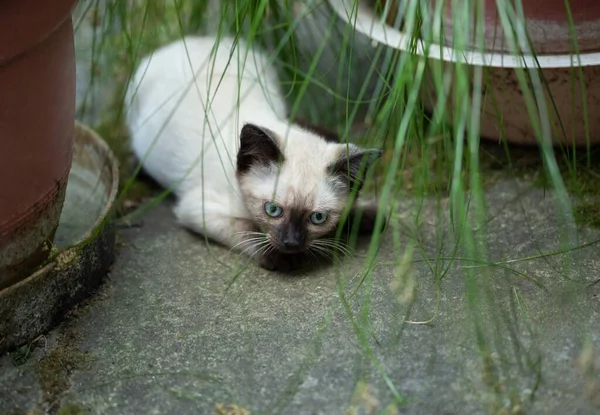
{"points": [[85, 242]]}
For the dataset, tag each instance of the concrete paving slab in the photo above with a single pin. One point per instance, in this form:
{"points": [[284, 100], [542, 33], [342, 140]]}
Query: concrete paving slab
{"points": [[173, 331]]}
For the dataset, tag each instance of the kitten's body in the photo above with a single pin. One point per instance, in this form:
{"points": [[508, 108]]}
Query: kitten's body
{"points": [[187, 112]]}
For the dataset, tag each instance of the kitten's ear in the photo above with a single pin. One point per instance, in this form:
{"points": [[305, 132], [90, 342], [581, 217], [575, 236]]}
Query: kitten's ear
{"points": [[353, 164], [257, 147]]}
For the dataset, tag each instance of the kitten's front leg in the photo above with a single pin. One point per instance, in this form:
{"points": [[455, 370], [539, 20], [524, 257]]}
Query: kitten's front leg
{"points": [[236, 233], [367, 215], [208, 219], [243, 236], [276, 261]]}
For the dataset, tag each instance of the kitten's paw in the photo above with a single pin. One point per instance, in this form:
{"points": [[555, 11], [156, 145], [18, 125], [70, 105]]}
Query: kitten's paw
{"points": [[276, 261], [368, 217]]}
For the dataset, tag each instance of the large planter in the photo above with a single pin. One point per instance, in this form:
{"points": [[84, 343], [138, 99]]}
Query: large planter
{"points": [[504, 115], [547, 23], [37, 112]]}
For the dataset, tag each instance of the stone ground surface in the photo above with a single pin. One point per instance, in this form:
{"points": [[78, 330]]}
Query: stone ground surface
{"points": [[172, 331]]}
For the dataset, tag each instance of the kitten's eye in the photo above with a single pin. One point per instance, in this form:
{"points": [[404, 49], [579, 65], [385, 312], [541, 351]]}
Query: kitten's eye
{"points": [[318, 218], [273, 210]]}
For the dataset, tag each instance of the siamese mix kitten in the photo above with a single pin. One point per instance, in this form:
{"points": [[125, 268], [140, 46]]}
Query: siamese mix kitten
{"points": [[207, 120]]}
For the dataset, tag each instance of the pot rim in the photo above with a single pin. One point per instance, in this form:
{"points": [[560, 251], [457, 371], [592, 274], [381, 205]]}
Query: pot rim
{"points": [[362, 18], [103, 216]]}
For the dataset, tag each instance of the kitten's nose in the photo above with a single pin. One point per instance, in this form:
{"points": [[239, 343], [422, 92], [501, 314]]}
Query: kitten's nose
{"points": [[291, 243]]}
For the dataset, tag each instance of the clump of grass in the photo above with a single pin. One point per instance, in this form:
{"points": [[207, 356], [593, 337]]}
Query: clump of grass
{"points": [[130, 30]]}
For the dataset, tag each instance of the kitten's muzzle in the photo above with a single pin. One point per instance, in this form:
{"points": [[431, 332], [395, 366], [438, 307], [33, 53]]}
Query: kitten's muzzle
{"points": [[292, 244], [291, 241]]}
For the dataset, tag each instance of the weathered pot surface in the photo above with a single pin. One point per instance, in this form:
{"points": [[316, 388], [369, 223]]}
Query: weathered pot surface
{"points": [[548, 25], [37, 111], [86, 240], [504, 114]]}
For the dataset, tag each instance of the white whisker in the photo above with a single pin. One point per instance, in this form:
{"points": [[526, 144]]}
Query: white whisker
{"points": [[331, 255], [332, 243], [319, 250], [251, 241], [263, 250], [248, 233], [255, 246], [331, 247], [310, 251], [241, 234]]}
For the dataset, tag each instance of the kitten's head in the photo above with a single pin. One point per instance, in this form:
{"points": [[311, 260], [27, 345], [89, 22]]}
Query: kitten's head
{"points": [[296, 188]]}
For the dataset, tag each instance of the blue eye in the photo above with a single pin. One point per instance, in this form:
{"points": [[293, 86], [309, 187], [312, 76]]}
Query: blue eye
{"points": [[273, 210], [318, 218]]}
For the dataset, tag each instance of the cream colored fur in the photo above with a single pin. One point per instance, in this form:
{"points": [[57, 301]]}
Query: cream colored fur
{"points": [[186, 105]]}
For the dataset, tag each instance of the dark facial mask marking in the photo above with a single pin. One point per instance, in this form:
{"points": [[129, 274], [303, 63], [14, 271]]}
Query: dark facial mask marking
{"points": [[292, 233]]}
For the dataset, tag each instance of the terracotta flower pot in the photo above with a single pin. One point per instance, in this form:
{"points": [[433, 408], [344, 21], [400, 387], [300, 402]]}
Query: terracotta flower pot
{"points": [[572, 81], [37, 114], [547, 24], [556, 41]]}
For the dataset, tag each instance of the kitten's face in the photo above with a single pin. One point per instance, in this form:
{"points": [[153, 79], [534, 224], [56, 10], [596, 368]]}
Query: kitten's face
{"points": [[297, 189]]}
